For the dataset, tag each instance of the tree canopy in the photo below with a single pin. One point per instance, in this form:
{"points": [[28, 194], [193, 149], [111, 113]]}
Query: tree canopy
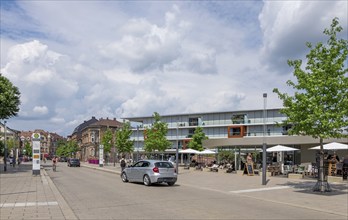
{"points": [[197, 139], [319, 107], [68, 149], [156, 135], [107, 140], [9, 98], [123, 142]]}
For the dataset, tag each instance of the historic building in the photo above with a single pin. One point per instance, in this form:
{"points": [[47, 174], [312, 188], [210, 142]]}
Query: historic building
{"points": [[88, 135], [12, 139], [48, 144], [16, 141]]}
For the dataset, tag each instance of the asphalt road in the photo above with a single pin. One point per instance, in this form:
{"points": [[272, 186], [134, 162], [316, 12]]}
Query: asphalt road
{"points": [[94, 194]]}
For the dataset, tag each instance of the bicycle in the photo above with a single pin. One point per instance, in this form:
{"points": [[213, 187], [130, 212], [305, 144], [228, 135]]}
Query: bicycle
{"points": [[54, 167]]}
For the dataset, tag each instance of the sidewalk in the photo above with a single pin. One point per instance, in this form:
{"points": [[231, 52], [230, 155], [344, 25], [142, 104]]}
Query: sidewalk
{"points": [[26, 196]]}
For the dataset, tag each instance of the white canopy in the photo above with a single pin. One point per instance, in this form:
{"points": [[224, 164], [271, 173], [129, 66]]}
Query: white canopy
{"points": [[280, 148], [189, 151], [332, 146], [206, 151]]}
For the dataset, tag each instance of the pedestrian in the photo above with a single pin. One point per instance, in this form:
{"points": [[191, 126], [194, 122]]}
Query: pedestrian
{"points": [[54, 163], [123, 163], [250, 159]]}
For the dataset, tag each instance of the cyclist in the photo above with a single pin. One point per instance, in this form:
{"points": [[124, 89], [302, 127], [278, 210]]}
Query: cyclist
{"points": [[54, 161]]}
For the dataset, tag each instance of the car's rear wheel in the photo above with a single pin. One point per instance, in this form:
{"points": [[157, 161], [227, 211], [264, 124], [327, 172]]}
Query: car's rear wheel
{"points": [[171, 183], [124, 177], [146, 180]]}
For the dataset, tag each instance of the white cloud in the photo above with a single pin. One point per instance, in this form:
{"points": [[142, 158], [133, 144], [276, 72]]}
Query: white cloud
{"points": [[288, 25], [135, 58], [42, 110]]}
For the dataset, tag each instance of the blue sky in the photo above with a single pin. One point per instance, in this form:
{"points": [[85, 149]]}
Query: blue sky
{"points": [[73, 60]]}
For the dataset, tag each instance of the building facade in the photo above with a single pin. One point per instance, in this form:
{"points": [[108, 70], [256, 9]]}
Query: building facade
{"points": [[11, 137], [89, 134], [48, 144], [234, 130], [216, 125]]}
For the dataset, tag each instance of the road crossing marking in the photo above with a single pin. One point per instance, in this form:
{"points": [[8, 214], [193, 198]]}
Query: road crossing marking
{"points": [[27, 204], [260, 189]]}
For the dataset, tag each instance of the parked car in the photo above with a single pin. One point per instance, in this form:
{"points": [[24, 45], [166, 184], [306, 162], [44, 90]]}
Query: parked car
{"points": [[149, 172], [73, 162], [63, 159]]}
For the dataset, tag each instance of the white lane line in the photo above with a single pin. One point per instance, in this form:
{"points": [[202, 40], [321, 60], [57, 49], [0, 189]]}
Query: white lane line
{"points": [[27, 204], [260, 189]]}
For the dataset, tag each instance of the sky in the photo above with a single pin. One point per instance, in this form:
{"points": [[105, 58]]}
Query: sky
{"points": [[72, 60]]}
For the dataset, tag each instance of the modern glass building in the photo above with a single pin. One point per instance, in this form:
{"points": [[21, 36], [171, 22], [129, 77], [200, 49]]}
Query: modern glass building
{"points": [[230, 130], [216, 125]]}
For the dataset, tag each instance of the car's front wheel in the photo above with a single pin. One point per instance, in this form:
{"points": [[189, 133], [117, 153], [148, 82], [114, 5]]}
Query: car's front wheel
{"points": [[146, 180], [171, 183], [124, 177]]}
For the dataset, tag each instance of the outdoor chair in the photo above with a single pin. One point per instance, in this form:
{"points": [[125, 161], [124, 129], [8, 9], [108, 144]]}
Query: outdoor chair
{"points": [[257, 169], [300, 169], [214, 168], [339, 168], [287, 169]]}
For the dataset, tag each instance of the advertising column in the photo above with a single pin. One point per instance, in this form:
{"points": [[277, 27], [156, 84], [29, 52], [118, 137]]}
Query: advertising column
{"points": [[101, 155], [36, 137]]}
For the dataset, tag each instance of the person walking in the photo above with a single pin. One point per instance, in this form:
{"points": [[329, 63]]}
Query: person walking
{"points": [[123, 163], [54, 163]]}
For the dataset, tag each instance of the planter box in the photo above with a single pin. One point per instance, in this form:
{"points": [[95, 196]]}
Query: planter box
{"points": [[295, 176], [332, 179]]}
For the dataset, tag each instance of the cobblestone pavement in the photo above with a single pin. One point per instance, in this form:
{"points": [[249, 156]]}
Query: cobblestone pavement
{"points": [[27, 196]]}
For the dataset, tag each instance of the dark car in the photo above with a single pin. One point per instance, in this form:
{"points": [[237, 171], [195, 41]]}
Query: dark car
{"points": [[150, 171], [63, 159], [73, 162]]}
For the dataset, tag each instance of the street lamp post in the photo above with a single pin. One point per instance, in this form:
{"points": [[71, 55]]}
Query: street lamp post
{"points": [[137, 142], [264, 155], [5, 148], [177, 148]]}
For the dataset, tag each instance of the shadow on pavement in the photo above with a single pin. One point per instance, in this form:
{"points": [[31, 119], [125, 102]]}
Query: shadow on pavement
{"points": [[23, 167], [307, 187]]}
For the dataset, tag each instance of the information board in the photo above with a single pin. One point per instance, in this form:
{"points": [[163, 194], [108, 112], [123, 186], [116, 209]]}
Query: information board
{"points": [[248, 169], [36, 138], [101, 155]]}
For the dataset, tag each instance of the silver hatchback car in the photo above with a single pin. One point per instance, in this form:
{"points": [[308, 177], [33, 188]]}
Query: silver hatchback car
{"points": [[150, 171]]}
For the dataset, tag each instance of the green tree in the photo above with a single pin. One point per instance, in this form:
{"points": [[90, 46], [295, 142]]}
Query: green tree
{"points": [[226, 156], [2, 148], [28, 149], [107, 140], [319, 105], [62, 151], [123, 142], [72, 148], [197, 139], [156, 136], [11, 144], [9, 98]]}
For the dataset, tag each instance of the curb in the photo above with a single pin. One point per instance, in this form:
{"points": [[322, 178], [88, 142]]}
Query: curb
{"points": [[65, 208]]}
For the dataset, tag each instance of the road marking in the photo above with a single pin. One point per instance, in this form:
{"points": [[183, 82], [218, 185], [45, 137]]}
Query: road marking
{"points": [[27, 204], [260, 189]]}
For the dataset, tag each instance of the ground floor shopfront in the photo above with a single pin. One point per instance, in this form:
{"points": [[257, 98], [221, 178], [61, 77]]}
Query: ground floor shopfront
{"points": [[303, 143]]}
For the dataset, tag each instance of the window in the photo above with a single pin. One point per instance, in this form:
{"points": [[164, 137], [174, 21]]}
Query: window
{"points": [[191, 131], [193, 121], [238, 119], [236, 131]]}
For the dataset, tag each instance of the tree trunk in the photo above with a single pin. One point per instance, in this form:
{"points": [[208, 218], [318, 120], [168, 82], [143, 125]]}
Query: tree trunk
{"points": [[322, 185]]}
